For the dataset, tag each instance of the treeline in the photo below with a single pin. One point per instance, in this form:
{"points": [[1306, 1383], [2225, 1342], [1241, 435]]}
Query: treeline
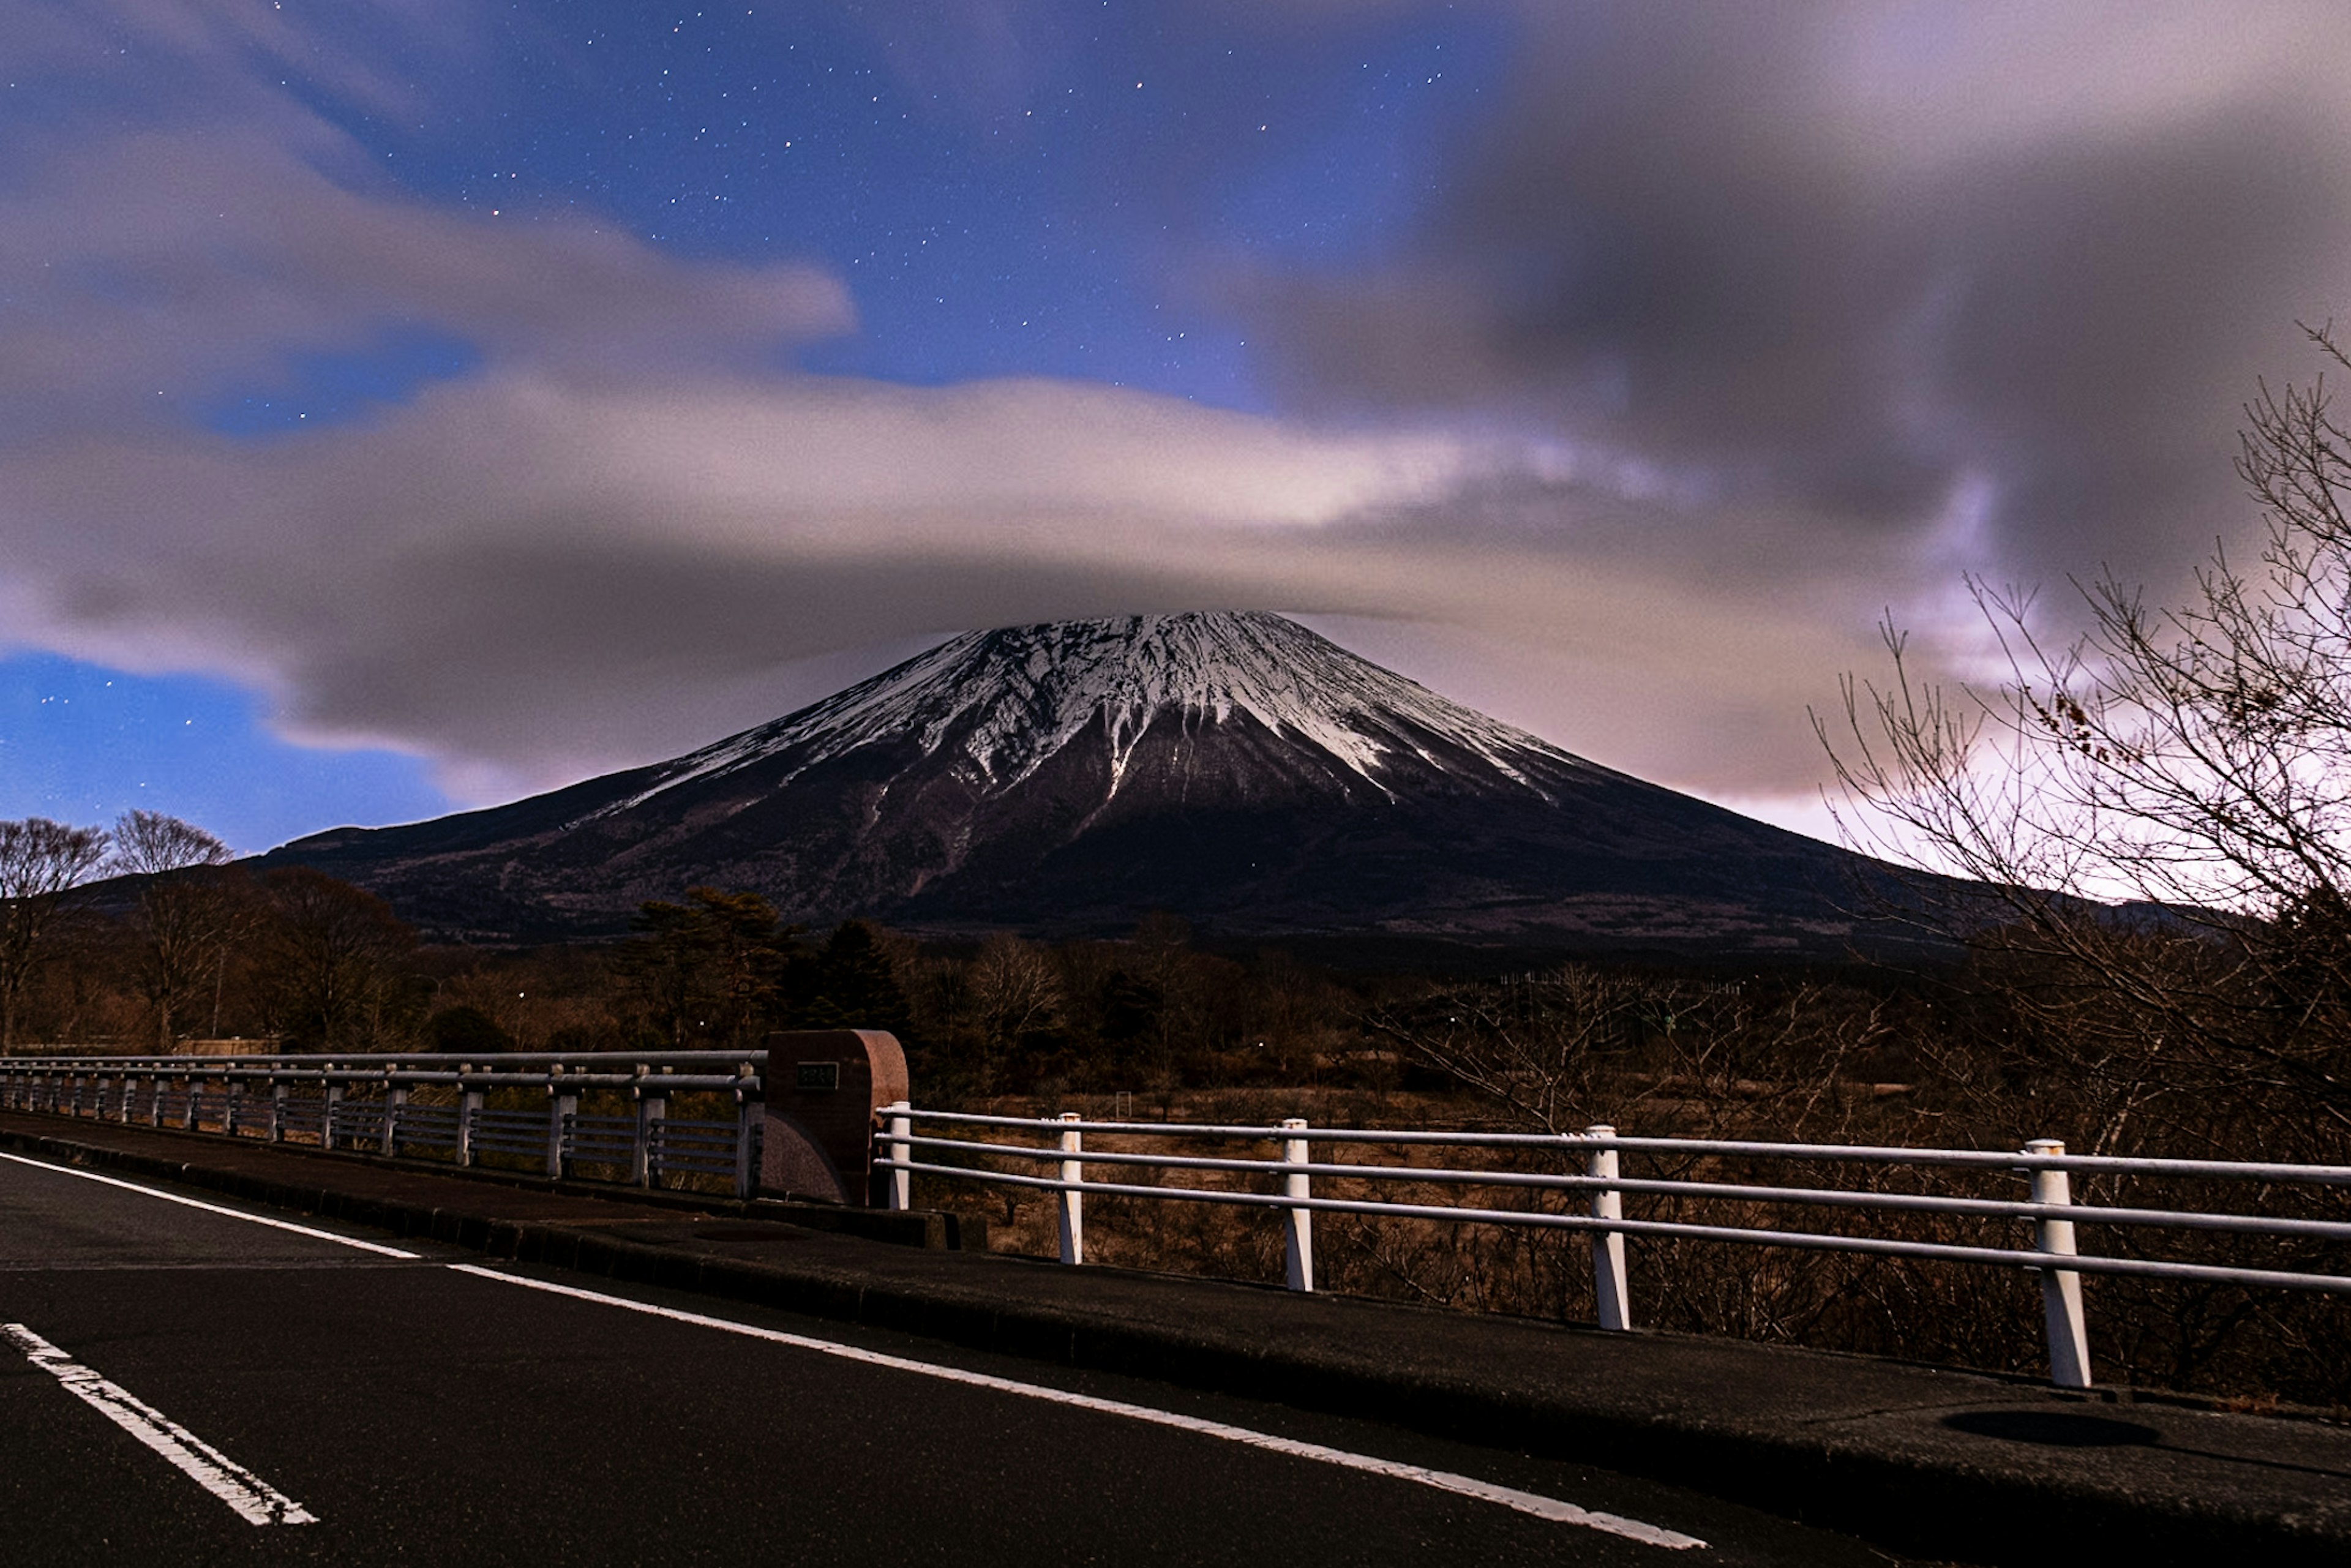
{"points": [[145, 937], [173, 943]]}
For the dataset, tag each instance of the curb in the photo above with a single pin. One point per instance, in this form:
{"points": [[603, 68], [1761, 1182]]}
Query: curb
{"points": [[1835, 1481]]}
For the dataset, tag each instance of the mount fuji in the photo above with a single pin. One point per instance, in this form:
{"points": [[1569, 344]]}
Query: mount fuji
{"points": [[1064, 779]]}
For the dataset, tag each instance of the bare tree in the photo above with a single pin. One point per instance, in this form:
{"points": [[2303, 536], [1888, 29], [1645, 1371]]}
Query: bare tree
{"points": [[1559, 1051], [331, 955], [2161, 807], [187, 909], [1015, 991], [40, 860]]}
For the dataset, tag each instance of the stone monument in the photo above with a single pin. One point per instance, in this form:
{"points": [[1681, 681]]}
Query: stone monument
{"points": [[823, 1086]]}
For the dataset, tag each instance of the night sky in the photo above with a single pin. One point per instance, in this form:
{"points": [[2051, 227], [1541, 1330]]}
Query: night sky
{"points": [[413, 403]]}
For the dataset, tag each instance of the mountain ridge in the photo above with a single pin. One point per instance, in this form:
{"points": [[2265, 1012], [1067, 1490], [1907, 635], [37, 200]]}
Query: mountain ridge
{"points": [[1064, 779]]}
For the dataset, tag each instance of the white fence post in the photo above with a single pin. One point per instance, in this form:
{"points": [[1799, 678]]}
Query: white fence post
{"points": [[188, 1111], [469, 1106], [561, 1109], [394, 1099], [331, 1095], [748, 1115], [2061, 1289], [278, 1111], [644, 1160], [1297, 1227], [1073, 1207], [901, 1127], [1610, 1290]]}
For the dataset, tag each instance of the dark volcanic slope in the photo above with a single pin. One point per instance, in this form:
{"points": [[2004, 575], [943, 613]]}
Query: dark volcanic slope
{"points": [[1235, 769]]}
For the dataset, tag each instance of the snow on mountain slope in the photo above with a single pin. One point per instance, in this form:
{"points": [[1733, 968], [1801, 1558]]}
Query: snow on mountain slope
{"points": [[1234, 769], [1012, 699]]}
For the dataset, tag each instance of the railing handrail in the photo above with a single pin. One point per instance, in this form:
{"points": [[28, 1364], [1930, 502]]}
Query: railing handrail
{"points": [[904, 1152], [311, 1058], [1751, 1235], [1837, 1197], [363, 1098], [673, 1070], [1981, 1159]]}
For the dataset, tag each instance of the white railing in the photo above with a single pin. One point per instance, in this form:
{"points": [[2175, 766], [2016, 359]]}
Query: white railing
{"points": [[346, 1102], [1599, 1183]]}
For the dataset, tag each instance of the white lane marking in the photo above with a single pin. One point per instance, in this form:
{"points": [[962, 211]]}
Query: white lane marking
{"points": [[376, 1247], [254, 1500], [1443, 1481]]}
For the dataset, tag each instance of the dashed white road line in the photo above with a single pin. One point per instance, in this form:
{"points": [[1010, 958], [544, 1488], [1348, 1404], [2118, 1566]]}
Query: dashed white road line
{"points": [[312, 1231], [1541, 1507], [254, 1500]]}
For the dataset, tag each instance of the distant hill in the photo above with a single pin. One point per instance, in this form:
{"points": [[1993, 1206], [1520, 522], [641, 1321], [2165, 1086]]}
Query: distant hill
{"points": [[1065, 779]]}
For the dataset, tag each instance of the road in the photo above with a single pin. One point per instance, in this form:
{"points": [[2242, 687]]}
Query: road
{"points": [[170, 1370]]}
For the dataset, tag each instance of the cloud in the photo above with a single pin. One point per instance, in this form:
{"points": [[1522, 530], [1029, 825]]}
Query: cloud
{"points": [[530, 580], [527, 565], [1732, 326], [148, 269], [621, 523], [1995, 278]]}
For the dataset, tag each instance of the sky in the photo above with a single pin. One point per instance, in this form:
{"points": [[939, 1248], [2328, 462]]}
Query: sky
{"points": [[410, 404]]}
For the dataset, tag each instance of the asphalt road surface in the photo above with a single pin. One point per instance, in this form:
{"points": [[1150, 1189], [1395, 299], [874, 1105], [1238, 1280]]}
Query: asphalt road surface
{"points": [[190, 1382]]}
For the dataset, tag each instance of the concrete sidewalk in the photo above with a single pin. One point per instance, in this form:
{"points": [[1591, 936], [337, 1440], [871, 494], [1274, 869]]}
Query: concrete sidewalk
{"points": [[1930, 1462]]}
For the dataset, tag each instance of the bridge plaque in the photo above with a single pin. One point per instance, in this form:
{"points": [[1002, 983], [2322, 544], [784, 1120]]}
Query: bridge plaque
{"points": [[823, 1086]]}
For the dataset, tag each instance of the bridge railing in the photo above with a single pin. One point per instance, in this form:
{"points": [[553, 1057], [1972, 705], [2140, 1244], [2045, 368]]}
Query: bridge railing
{"points": [[368, 1102], [1588, 1192]]}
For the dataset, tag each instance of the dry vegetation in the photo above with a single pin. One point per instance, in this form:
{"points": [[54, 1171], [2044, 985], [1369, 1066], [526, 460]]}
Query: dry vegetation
{"points": [[1952, 1061]]}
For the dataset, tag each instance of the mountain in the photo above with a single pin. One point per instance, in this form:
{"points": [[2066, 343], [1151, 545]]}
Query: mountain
{"points": [[1064, 779]]}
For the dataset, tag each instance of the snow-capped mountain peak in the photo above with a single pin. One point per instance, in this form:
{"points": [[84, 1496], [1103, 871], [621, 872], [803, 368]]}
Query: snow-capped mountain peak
{"points": [[1232, 769], [1010, 699]]}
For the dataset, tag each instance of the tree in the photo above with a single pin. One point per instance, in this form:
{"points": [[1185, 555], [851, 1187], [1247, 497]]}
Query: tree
{"points": [[715, 962], [40, 861], [466, 1030], [856, 984], [188, 911], [2162, 807], [329, 961], [1015, 991]]}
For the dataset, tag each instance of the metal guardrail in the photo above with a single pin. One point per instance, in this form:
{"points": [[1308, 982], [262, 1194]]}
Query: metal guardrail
{"points": [[348, 1102], [1603, 1187]]}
